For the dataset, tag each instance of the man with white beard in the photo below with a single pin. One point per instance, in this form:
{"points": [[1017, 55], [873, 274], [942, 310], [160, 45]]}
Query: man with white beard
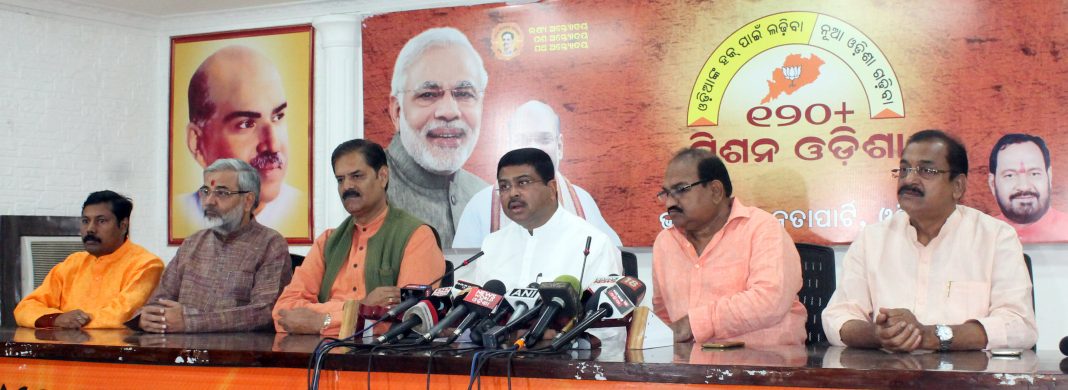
{"points": [[438, 87], [224, 278]]}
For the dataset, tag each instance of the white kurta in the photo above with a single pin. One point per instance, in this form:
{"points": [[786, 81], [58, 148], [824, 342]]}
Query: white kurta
{"points": [[516, 257], [474, 224]]}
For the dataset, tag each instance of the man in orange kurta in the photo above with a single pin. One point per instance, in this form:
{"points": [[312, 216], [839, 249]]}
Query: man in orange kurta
{"points": [[331, 273], [101, 287], [724, 271]]}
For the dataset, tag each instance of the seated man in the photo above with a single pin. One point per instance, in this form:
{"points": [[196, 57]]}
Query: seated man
{"points": [[545, 239], [374, 250], [101, 287], [534, 124], [724, 270], [936, 275], [224, 278]]}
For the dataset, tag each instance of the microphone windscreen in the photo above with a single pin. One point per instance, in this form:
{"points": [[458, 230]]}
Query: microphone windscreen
{"points": [[495, 286], [1064, 346], [633, 288], [573, 281]]}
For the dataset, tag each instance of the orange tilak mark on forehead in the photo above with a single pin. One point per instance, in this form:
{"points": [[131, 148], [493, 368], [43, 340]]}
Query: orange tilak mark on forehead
{"points": [[1021, 168]]}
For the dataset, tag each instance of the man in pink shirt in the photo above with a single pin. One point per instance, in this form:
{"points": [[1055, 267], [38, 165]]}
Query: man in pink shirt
{"points": [[936, 275], [723, 271], [1021, 180]]}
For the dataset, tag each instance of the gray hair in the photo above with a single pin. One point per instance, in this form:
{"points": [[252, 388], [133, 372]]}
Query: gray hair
{"points": [[248, 178], [419, 44]]}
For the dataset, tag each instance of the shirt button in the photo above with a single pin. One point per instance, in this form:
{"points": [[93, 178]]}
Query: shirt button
{"points": [[354, 289], [697, 266], [452, 198], [361, 248], [355, 265], [365, 229]]}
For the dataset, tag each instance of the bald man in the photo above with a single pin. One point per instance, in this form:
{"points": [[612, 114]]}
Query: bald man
{"points": [[237, 109]]}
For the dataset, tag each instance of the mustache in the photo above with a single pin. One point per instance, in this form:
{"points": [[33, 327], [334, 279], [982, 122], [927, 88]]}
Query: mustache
{"points": [[267, 160], [516, 202], [1023, 194], [676, 209], [909, 188], [90, 237], [350, 194]]}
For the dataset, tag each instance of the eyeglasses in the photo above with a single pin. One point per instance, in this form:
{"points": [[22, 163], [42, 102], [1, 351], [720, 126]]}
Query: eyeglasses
{"points": [[505, 187], [925, 173], [219, 193], [677, 192], [429, 96]]}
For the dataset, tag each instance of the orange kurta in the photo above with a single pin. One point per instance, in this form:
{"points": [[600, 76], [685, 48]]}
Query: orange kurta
{"points": [[110, 288], [423, 262]]}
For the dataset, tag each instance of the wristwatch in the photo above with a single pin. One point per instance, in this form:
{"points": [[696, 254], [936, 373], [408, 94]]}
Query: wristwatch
{"points": [[326, 323], [945, 337]]}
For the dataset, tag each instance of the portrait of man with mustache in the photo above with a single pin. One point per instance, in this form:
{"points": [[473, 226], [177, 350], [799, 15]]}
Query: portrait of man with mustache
{"points": [[1021, 179], [237, 109]]}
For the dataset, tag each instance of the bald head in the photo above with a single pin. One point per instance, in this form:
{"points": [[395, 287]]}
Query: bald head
{"points": [[237, 108], [223, 73], [535, 125]]}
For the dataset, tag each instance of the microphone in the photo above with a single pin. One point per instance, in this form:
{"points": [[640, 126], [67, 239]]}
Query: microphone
{"points": [[520, 303], [483, 303], [599, 284], [585, 254], [418, 318], [463, 264], [410, 295], [1064, 346], [461, 307], [559, 301], [613, 303]]}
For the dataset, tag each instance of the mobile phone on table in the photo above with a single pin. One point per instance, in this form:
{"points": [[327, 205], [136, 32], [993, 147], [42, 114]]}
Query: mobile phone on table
{"points": [[1005, 352], [723, 344]]}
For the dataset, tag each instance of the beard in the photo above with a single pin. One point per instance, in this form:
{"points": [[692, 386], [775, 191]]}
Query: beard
{"points": [[227, 222], [436, 159], [1023, 213]]}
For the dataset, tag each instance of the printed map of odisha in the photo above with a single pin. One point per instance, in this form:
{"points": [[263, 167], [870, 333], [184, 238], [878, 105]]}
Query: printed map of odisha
{"points": [[796, 72]]}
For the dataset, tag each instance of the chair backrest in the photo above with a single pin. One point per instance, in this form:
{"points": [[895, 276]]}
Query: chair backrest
{"points": [[296, 260], [630, 264], [1030, 273], [817, 270], [448, 280]]}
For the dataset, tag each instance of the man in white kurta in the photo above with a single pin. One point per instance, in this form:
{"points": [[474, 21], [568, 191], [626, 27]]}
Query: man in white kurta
{"points": [[545, 239]]}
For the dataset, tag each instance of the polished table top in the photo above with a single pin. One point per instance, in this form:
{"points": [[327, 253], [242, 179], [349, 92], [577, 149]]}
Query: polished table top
{"points": [[810, 366]]}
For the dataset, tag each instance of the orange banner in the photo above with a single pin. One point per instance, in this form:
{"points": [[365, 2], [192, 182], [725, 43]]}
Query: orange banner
{"points": [[809, 104]]}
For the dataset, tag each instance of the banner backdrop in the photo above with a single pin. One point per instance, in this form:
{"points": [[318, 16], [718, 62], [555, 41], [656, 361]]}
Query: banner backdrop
{"points": [[809, 104]]}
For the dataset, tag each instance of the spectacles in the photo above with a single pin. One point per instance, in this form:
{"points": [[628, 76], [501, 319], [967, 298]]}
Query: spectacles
{"points": [[677, 192], [505, 187], [925, 173], [222, 194], [428, 96]]}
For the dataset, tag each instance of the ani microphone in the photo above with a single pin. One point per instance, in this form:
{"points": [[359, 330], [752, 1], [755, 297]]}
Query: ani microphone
{"points": [[560, 300]]}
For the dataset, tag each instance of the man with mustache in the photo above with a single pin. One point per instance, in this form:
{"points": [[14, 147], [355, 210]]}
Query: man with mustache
{"points": [[224, 278], [724, 271], [534, 124], [1021, 179], [101, 287], [377, 248], [237, 109], [438, 87], [545, 239], [936, 275]]}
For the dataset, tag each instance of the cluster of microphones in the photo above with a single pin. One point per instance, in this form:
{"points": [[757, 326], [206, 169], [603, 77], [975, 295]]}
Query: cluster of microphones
{"points": [[493, 313]]}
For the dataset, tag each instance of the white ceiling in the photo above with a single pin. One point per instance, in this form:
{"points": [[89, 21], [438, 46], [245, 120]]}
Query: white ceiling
{"points": [[168, 8]]}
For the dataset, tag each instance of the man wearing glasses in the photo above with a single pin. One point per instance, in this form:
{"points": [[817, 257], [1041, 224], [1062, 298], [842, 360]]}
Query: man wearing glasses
{"points": [[545, 239], [936, 275], [436, 106], [724, 271], [227, 277]]}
